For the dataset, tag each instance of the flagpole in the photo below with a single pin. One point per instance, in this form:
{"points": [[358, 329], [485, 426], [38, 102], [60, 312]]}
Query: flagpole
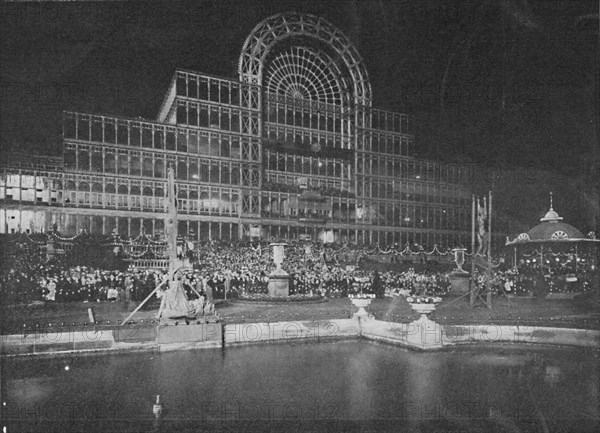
{"points": [[472, 285], [489, 252]]}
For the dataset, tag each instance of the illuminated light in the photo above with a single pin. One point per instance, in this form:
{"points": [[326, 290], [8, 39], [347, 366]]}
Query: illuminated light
{"points": [[195, 176], [67, 368], [418, 177]]}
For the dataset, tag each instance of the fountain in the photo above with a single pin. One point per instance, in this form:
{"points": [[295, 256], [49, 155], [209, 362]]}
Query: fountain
{"points": [[175, 307]]}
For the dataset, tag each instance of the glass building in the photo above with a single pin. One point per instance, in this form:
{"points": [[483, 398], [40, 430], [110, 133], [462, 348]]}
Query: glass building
{"points": [[291, 149]]}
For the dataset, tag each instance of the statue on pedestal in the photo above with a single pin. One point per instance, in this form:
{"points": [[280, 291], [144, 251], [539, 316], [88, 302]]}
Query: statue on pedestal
{"points": [[482, 234], [174, 301]]}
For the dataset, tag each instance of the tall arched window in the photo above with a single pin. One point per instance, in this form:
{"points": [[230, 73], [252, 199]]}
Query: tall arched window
{"points": [[182, 170], [159, 168], [110, 165], [123, 164], [97, 162], [147, 167], [84, 161], [135, 168]]}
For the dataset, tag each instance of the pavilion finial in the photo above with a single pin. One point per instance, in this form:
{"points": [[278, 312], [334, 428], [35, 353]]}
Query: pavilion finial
{"points": [[551, 207]]}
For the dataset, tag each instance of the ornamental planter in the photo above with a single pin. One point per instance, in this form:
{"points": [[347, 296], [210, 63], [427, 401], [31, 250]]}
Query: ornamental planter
{"points": [[361, 303], [424, 333], [423, 309]]}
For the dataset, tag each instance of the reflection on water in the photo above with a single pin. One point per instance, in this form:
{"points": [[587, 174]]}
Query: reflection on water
{"points": [[345, 386]]}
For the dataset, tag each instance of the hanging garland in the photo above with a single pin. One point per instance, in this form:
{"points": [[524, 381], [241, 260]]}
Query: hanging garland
{"points": [[63, 239], [34, 241], [132, 254], [153, 241]]}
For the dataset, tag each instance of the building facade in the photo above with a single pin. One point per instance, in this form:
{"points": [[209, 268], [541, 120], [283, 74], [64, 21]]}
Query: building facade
{"points": [[291, 149]]}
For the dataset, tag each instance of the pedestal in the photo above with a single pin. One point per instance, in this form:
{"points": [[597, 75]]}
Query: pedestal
{"points": [[361, 303], [424, 333], [279, 285], [459, 283]]}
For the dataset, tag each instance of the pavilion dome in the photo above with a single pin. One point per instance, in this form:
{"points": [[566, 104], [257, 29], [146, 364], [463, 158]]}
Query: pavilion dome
{"points": [[553, 231], [551, 228]]}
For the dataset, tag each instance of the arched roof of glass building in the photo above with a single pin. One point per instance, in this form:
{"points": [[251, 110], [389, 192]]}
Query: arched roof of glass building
{"points": [[276, 29]]}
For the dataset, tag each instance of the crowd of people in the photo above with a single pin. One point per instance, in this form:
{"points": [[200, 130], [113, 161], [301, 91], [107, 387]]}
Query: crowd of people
{"points": [[236, 270], [231, 271]]}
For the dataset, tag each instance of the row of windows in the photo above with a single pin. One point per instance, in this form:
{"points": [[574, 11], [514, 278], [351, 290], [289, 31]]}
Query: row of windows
{"points": [[223, 91], [369, 237], [403, 145], [131, 227], [294, 183], [305, 139], [198, 170], [136, 134], [394, 145], [409, 191], [301, 102], [386, 214], [224, 202], [296, 116], [85, 128], [217, 117], [411, 169], [384, 120], [217, 90], [54, 195], [306, 165], [217, 204]]}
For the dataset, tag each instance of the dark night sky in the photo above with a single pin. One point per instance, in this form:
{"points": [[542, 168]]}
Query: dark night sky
{"points": [[520, 77]]}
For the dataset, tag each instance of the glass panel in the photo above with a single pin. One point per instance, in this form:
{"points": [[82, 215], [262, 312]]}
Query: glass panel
{"points": [[84, 161], [109, 163], [83, 129], [122, 134], [69, 127], [97, 134], [109, 131], [134, 135], [171, 140]]}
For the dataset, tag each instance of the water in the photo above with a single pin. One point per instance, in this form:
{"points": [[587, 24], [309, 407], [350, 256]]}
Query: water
{"points": [[346, 386]]}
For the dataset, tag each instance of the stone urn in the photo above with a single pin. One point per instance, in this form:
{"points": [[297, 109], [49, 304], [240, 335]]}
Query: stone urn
{"points": [[361, 303], [424, 333], [423, 309]]}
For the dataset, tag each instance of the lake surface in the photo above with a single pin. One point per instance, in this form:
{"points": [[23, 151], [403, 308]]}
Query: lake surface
{"points": [[343, 386]]}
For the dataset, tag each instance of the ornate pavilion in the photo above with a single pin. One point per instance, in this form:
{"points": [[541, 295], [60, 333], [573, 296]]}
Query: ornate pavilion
{"points": [[555, 248]]}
